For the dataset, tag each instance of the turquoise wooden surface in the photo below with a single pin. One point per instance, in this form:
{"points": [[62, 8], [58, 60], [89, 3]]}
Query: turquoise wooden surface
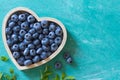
{"points": [[93, 36]]}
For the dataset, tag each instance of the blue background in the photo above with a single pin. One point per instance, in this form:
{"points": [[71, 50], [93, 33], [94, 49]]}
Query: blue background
{"points": [[93, 36]]}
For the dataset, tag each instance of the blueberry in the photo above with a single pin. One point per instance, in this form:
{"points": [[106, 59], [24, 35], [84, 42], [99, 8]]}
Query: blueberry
{"points": [[30, 19], [32, 31], [8, 31], [24, 25], [54, 47], [45, 41], [51, 41], [69, 60], [58, 65], [32, 52], [21, 60], [14, 37], [43, 55], [39, 51], [22, 32], [26, 51], [52, 27], [35, 35], [26, 42], [9, 42], [22, 46], [49, 53], [31, 46], [15, 47], [20, 38], [14, 18], [36, 42], [28, 57], [16, 28], [58, 31], [37, 26], [41, 36], [16, 55], [51, 35], [36, 59], [27, 62], [22, 17], [45, 47], [28, 36], [66, 55], [44, 24], [11, 24], [45, 31], [58, 40], [26, 14]]}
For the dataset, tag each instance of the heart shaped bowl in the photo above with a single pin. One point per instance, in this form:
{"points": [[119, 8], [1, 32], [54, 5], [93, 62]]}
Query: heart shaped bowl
{"points": [[23, 9]]}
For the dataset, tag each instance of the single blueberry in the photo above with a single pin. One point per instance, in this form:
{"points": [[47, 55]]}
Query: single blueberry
{"points": [[32, 31], [52, 27], [22, 46], [8, 31], [38, 46], [27, 62], [15, 47], [20, 38], [45, 31], [45, 47], [37, 26], [24, 25], [19, 23], [16, 55], [45, 41], [14, 37], [58, 40], [41, 36], [39, 51], [49, 53], [11, 24], [22, 33], [32, 52], [36, 59], [30, 19], [51, 35], [69, 60], [36, 42], [16, 28], [58, 65], [44, 23], [35, 35], [21, 60], [66, 55], [31, 46], [58, 31], [9, 42], [31, 25], [28, 36], [26, 51], [43, 55], [54, 47], [14, 18], [22, 17], [26, 42]]}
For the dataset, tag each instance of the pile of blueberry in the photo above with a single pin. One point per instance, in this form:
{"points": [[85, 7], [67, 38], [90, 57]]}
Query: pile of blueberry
{"points": [[31, 41]]}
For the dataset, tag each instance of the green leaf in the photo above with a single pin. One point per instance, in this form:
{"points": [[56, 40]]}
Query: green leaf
{"points": [[11, 70], [47, 68], [3, 58], [1, 74], [63, 75], [7, 77], [57, 77], [69, 78], [13, 77]]}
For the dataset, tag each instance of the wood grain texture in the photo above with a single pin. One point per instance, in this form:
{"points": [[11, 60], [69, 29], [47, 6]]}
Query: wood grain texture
{"points": [[93, 28]]}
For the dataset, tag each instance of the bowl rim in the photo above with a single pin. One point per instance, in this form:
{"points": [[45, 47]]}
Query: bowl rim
{"points": [[38, 19]]}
